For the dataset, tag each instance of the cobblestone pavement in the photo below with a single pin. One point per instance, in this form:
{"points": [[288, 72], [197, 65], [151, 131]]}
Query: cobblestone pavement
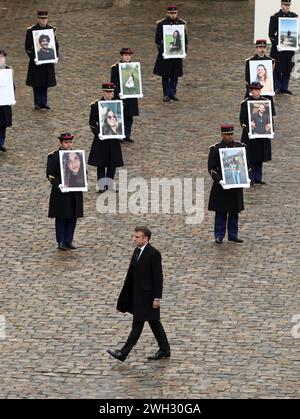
{"points": [[227, 309]]}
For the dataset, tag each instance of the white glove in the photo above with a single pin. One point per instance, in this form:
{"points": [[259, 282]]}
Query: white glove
{"points": [[62, 189], [36, 61], [222, 183]]}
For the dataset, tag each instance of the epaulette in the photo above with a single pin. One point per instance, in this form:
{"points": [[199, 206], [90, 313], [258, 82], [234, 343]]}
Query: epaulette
{"points": [[94, 103], [184, 21], [248, 59], [52, 152], [30, 27], [213, 145], [115, 64], [244, 100], [160, 20]]}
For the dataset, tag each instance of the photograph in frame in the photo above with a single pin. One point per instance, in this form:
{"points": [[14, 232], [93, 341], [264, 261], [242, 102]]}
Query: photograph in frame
{"points": [[7, 91], [111, 119], [288, 32], [260, 119], [174, 41], [44, 46], [130, 80], [234, 167], [262, 71], [73, 170]]}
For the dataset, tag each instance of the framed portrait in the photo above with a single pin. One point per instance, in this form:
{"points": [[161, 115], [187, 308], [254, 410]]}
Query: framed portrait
{"points": [[262, 72], [44, 46], [130, 80], [111, 119], [7, 91], [73, 170], [260, 119], [288, 34], [234, 167], [174, 41]]}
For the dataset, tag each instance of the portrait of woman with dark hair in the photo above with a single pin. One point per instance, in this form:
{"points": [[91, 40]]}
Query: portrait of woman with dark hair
{"points": [[175, 45], [263, 79], [111, 125], [73, 170], [130, 82], [45, 53]]}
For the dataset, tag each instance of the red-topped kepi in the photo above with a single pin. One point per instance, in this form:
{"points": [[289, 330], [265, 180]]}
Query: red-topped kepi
{"points": [[261, 43], [255, 85], [42, 13], [66, 136], [172, 8], [108, 87], [227, 129], [126, 51], [2, 52]]}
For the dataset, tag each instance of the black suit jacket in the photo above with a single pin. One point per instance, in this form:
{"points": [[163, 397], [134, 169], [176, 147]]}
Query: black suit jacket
{"points": [[143, 283]]}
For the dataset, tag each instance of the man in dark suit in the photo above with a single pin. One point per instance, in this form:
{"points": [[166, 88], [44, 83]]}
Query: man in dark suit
{"points": [[141, 295]]}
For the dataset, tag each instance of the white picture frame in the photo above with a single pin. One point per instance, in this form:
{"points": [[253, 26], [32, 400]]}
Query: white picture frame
{"points": [[7, 91], [41, 56], [262, 71], [174, 47], [234, 167], [73, 170], [130, 80], [288, 34], [260, 120], [111, 119]]}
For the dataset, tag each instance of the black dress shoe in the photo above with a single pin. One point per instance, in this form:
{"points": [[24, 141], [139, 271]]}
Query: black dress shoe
{"points": [[128, 140], [47, 107], [62, 246], [71, 246], [287, 91], [121, 141], [260, 182], [236, 240], [175, 98], [37, 107], [117, 354], [159, 354], [166, 99], [218, 240], [2, 148], [103, 190]]}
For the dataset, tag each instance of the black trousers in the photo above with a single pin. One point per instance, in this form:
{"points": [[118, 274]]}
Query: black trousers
{"points": [[137, 328]]}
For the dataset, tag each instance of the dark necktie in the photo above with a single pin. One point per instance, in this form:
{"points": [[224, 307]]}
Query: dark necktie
{"points": [[138, 252]]}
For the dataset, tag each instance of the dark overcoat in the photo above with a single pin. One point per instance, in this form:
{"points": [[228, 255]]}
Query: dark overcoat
{"points": [[143, 283], [131, 107], [222, 200], [61, 205], [104, 153], [259, 149], [171, 66], [39, 75], [283, 59], [5, 114]]}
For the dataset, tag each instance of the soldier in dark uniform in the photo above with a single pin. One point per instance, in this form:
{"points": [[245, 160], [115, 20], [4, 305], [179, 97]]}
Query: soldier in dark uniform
{"points": [[131, 107], [65, 207], [45, 53], [5, 110], [261, 46], [259, 149], [227, 203], [106, 154], [169, 69], [284, 64], [40, 77]]}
